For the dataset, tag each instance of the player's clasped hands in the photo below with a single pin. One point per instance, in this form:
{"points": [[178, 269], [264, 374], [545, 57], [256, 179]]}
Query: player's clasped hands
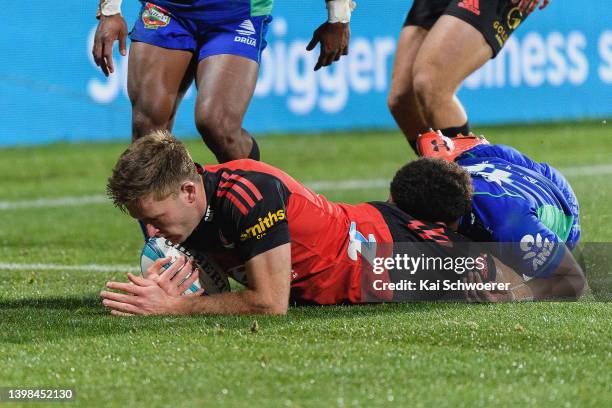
{"points": [[177, 278], [159, 293], [527, 6]]}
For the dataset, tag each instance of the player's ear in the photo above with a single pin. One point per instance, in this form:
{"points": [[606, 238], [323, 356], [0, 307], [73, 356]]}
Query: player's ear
{"points": [[188, 190]]}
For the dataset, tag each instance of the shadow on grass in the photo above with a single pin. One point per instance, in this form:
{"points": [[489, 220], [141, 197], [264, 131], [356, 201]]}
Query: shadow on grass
{"points": [[35, 320], [55, 302], [39, 319], [92, 305], [373, 309]]}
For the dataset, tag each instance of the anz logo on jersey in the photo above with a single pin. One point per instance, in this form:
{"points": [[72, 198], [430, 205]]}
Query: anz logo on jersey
{"points": [[536, 249]]}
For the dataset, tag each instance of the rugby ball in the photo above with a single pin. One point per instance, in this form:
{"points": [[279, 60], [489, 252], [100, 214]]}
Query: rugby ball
{"points": [[211, 277]]}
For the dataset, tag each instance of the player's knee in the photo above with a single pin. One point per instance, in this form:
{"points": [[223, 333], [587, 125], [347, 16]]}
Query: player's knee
{"points": [[221, 132], [428, 88], [400, 101], [143, 124], [218, 126]]}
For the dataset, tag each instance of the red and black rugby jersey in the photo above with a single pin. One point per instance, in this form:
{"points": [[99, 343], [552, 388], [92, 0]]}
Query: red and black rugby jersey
{"points": [[254, 207]]}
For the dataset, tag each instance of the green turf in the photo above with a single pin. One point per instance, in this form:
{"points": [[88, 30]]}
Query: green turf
{"points": [[54, 332]]}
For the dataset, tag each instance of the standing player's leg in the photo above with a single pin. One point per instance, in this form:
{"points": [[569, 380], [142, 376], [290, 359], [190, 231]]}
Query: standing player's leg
{"points": [[402, 99], [157, 80], [452, 50], [226, 84]]}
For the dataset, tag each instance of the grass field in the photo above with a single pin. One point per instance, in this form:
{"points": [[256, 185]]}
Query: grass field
{"points": [[54, 331]]}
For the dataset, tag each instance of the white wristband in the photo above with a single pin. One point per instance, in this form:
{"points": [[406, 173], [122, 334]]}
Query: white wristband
{"points": [[110, 7], [339, 11]]}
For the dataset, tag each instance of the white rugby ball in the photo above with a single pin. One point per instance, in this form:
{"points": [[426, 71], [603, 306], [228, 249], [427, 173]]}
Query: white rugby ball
{"points": [[212, 278]]}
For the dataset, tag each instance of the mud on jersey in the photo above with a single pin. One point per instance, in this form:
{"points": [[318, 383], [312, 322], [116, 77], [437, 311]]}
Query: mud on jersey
{"points": [[254, 207]]}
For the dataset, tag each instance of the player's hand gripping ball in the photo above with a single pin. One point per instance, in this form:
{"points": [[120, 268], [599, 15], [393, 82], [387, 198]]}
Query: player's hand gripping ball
{"points": [[211, 277]]}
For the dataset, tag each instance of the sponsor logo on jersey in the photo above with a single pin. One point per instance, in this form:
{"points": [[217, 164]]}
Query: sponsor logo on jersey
{"points": [[514, 18], [208, 216], [259, 230], [359, 244], [246, 30], [470, 5], [501, 35], [154, 16], [536, 249]]}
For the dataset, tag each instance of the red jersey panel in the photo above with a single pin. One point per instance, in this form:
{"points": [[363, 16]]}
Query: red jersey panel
{"points": [[254, 207]]}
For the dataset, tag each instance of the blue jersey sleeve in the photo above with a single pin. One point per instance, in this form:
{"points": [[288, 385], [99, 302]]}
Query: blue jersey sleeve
{"points": [[538, 252], [525, 243]]}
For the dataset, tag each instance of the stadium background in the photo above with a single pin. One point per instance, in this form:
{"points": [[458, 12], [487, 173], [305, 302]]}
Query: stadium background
{"points": [[558, 66]]}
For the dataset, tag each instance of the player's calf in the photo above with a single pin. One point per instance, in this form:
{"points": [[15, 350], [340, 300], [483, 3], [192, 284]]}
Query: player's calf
{"points": [[403, 106], [439, 105], [224, 135]]}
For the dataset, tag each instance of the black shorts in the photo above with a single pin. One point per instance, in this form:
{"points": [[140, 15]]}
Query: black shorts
{"points": [[496, 20]]}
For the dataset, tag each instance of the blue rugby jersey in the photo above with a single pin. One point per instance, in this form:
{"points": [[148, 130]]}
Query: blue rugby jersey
{"points": [[217, 8], [519, 201], [206, 27]]}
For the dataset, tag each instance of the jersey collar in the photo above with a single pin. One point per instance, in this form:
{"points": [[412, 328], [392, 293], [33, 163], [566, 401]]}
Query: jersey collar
{"points": [[209, 189]]}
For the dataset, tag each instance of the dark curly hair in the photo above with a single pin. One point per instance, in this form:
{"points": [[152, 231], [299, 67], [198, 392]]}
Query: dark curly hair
{"points": [[432, 190]]}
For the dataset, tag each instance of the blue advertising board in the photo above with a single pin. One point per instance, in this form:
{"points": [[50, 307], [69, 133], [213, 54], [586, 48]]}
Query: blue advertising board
{"points": [[557, 66]]}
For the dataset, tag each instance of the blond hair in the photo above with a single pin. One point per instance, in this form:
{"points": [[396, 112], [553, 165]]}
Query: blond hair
{"points": [[156, 164]]}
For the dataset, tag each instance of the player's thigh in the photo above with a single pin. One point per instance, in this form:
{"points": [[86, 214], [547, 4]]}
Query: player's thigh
{"points": [[452, 50], [156, 78], [228, 68], [410, 41], [226, 84]]}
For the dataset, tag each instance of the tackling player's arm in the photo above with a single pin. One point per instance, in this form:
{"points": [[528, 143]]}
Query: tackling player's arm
{"points": [[550, 268], [566, 282], [111, 28], [334, 34], [546, 260]]}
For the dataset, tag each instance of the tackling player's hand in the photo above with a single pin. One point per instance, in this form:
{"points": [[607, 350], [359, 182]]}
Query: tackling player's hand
{"points": [[484, 296], [109, 29], [334, 39], [527, 6]]}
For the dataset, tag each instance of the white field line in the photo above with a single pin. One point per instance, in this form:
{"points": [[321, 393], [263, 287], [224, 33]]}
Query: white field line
{"points": [[57, 267], [53, 202], [332, 185]]}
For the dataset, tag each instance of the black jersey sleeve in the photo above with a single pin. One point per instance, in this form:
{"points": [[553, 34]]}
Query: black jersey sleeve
{"points": [[254, 211]]}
